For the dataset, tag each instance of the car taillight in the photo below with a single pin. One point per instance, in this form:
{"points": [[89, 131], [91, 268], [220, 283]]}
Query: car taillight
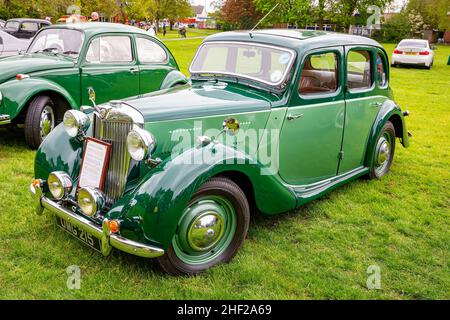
{"points": [[396, 51], [424, 53]]}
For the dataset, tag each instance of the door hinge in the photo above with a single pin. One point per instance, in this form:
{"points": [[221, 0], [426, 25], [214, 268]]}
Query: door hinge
{"points": [[341, 155]]}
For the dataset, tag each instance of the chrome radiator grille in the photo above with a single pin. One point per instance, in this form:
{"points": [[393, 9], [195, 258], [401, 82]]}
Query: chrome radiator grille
{"points": [[114, 131]]}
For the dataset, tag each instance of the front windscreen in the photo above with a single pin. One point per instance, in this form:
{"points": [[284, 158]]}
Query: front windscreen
{"points": [[62, 41], [262, 63]]}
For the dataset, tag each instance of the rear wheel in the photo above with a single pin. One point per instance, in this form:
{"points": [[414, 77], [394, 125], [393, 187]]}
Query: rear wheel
{"points": [[384, 152], [39, 121], [211, 230]]}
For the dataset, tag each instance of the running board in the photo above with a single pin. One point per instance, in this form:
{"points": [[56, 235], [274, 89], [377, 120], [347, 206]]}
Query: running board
{"points": [[307, 193]]}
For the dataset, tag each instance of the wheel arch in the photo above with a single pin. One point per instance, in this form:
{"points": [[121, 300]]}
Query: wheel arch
{"points": [[18, 94], [61, 104], [390, 111]]}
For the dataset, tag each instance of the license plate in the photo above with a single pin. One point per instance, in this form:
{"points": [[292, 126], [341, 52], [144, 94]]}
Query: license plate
{"points": [[411, 53], [81, 235]]}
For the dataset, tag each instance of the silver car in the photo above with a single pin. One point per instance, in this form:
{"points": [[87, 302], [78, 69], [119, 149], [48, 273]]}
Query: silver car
{"points": [[10, 45]]}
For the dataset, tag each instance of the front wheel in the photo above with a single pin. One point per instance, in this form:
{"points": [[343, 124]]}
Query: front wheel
{"points": [[39, 121], [384, 152], [211, 230]]}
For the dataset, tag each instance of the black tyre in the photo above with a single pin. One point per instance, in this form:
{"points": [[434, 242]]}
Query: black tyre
{"points": [[383, 154], [39, 121], [211, 230]]}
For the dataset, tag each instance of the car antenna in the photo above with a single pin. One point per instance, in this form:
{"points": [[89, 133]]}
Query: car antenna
{"points": [[262, 19]]}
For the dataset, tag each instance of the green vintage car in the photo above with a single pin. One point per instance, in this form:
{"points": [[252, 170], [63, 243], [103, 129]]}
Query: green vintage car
{"points": [[272, 120], [63, 62]]}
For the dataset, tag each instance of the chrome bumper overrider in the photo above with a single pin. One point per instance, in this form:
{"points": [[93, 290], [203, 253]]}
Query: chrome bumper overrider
{"points": [[108, 239], [4, 119]]}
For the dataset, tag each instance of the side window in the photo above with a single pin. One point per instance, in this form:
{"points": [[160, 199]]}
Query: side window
{"points": [[110, 49], [29, 26], [149, 51], [319, 74], [381, 71], [359, 71]]}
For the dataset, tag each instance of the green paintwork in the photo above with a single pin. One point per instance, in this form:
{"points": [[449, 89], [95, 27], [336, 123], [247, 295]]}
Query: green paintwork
{"points": [[70, 78], [331, 144]]}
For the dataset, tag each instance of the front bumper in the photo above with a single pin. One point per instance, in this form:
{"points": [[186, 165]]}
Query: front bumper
{"points": [[4, 119], [108, 239]]}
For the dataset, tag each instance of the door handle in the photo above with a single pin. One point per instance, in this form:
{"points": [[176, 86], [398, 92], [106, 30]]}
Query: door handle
{"points": [[376, 104], [294, 116], [134, 70]]}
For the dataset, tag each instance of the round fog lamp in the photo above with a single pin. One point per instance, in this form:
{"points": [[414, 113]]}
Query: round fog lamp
{"points": [[59, 184], [76, 123], [140, 144], [90, 200]]}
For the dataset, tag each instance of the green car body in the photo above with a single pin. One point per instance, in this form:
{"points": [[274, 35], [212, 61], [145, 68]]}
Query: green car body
{"points": [[323, 141], [65, 79]]}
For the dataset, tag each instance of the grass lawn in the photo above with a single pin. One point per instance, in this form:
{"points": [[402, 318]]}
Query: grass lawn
{"points": [[400, 223]]}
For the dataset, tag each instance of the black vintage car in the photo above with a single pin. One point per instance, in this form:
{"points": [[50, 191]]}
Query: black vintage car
{"points": [[24, 28]]}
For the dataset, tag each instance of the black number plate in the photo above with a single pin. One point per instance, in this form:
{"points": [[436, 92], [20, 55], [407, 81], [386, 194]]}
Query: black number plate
{"points": [[81, 235]]}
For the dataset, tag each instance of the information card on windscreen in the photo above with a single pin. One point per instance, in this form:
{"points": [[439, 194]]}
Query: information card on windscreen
{"points": [[95, 162]]}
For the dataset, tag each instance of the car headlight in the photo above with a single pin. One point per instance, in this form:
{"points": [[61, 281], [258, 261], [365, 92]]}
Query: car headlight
{"points": [[76, 123], [140, 144], [90, 201], [59, 184]]}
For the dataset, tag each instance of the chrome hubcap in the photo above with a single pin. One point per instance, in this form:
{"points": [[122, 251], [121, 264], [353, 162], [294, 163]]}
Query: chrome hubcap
{"points": [[383, 152], [383, 155], [205, 231], [47, 122]]}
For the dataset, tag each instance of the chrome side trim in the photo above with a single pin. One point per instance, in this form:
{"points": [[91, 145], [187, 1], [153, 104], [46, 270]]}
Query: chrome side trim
{"points": [[108, 239]]}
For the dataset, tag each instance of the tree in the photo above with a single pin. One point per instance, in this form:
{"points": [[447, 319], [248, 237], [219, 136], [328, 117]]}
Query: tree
{"points": [[156, 10], [240, 14], [343, 11], [433, 12], [296, 12]]}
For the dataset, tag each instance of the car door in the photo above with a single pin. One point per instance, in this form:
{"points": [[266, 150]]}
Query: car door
{"points": [[110, 68], [311, 136], [153, 68], [27, 30], [362, 105]]}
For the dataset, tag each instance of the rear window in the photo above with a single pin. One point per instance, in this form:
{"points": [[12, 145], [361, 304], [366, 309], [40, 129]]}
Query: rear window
{"points": [[413, 44]]}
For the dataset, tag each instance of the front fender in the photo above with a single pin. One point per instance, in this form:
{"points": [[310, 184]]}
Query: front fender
{"points": [[160, 199], [17, 93], [389, 111], [173, 78], [59, 152]]}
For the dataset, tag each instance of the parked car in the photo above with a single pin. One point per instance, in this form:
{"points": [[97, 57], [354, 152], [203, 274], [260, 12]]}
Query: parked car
{"points": [[413, 52], [10, 45], [64, 62], [25, 28], [273, 120]]}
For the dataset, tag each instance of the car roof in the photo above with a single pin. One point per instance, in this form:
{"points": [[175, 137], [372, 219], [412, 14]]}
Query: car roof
{"points": [[295, 38], [28, 20], [100, 27]]}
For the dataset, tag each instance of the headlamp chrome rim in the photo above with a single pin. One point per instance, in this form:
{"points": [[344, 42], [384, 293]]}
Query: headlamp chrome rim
{"points": [[140, 144], [90, 200], [76, 123], [60, 184]]}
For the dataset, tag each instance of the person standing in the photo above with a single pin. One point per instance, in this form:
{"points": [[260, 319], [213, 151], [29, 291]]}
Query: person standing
{"points": [[151, 30], [164, 29]]}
